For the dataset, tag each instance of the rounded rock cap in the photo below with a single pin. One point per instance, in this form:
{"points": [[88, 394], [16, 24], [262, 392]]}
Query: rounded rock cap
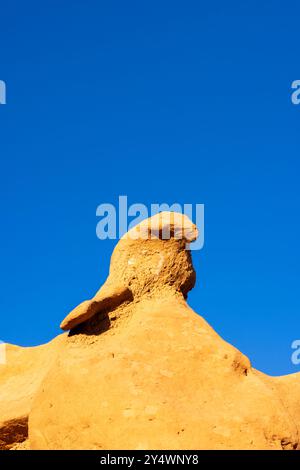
{"points": [[164, 225]]}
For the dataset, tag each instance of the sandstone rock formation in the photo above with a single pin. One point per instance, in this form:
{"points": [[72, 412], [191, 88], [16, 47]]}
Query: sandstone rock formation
{"points": [[20, 379], [140, 370]]}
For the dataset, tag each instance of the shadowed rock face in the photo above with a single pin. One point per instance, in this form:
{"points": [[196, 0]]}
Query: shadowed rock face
{"points": [[140, 370]]}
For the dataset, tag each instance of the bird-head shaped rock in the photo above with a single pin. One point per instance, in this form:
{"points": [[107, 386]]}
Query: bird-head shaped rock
{"points": [[150, 258]]}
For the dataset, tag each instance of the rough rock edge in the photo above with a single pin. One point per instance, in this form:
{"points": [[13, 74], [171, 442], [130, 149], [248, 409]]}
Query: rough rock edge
{"points": [[13, 433]]}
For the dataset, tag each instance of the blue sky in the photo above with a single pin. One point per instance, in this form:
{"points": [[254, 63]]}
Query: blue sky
{"points": [[163, 101]]}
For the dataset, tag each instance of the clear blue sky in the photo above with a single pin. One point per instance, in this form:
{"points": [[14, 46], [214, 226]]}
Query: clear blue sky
{"points": [[164, 101]]}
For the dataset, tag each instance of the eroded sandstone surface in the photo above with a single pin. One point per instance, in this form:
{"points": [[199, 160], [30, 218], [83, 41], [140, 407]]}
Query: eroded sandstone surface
{"points": [[139, 369]]}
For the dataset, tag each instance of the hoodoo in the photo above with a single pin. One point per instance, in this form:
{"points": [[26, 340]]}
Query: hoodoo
{"points": [[139, 369]]}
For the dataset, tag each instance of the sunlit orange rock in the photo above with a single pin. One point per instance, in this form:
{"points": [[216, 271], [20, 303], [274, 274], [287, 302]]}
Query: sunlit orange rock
{"points": [[140, 369]]}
